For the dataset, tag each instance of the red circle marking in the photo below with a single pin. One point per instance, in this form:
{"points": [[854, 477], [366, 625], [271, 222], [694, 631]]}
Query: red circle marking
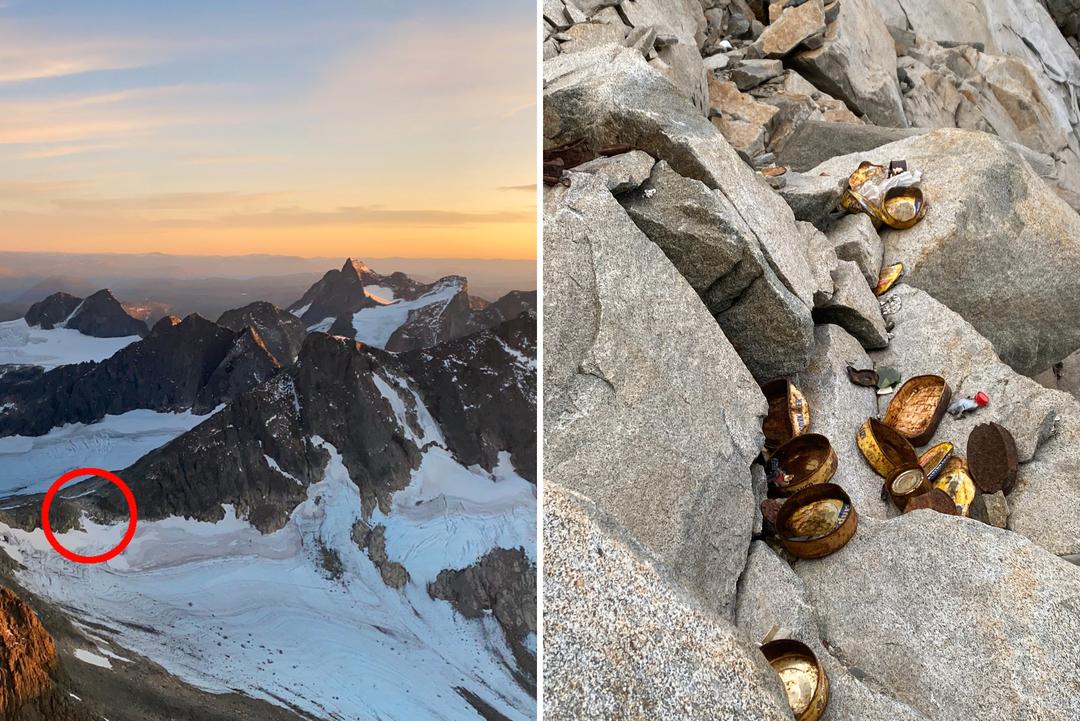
{"points": [[58, 484]]}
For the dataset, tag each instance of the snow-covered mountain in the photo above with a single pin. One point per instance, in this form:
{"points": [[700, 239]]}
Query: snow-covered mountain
{"points": [[396, 313], [349, 534]]}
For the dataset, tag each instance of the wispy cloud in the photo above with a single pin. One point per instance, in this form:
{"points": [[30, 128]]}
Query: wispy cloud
{"points": [[530, 188], [355, 215]]}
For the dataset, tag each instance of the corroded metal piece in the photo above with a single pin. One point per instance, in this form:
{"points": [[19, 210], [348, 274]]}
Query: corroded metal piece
{"points": [[917, 408], [816, 521], [935, 500], [789, 413], [888, 277], [933, 462], [804, 679], [992, 460], [807, 460], [851, 200], [883, 448]]}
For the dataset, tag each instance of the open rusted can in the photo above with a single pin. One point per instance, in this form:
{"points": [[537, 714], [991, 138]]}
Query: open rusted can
{"points": [[816, 521], [805, 682], [956, 482], [805, 460], [789, 413], [934, 460], [991, 458], [902, 208], [903, 484], [935, 499], [884, 449], [917, 408]]}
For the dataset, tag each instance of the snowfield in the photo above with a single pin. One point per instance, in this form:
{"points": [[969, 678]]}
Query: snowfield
{"points": [[227, 608], [31, 463], [23, 344], [374, 326]]}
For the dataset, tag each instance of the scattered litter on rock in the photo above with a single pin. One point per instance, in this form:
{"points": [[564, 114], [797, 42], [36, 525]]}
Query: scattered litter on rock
{"points": [[888, 277], [867, 378], [892, 305], [805, 681], [965, 405], [890, 196], [888, 377]]}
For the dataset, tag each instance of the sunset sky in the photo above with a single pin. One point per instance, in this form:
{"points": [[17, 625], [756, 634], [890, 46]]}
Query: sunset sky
{"points": [[314, 128]]}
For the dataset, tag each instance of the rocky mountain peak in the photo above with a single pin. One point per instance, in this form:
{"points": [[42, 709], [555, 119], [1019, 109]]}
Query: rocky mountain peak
{"points": [[52, 311], [337, 293], [355, 267], [279, 330], [102, 315]]}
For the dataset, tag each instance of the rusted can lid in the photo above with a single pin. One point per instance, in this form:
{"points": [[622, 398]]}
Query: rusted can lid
{"points": [[816, 521], [888, 277], [805, 460], [906, 483], [805, 681], [789, 413], [934, 460], [917, 408], [955, 481], [883, 448], [935, 499], [991, 458]]}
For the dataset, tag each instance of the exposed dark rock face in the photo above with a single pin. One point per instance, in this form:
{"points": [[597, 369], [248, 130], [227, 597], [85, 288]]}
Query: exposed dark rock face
{"points": [[247, 364], [55, 309], [438, 322], [279, 330], [503, 582], [166, 371], [338, 293], [102, 316], [482, 391], [257, 454], [508, 307]]}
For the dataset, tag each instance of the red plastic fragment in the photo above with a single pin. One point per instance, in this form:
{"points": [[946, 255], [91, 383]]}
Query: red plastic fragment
{"points": [[982, 399]]}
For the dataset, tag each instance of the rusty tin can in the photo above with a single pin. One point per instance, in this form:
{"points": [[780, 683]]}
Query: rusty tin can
{"points": [[917, 408], [789, 413], [805, 682], [902, 208], [904, 484], [816, 521], [883, 448], [808, 460]]}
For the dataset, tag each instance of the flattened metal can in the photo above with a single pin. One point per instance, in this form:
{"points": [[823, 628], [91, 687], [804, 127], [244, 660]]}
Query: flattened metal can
{"points": [[807, 460], [934, 460], [955, 481], [992, 459]]}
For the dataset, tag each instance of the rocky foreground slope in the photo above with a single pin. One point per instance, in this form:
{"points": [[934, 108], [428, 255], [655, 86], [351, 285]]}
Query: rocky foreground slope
{"points": [[678, 277]]}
